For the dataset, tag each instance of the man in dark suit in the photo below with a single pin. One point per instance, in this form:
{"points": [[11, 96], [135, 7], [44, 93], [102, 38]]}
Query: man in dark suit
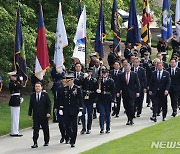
{"points": [[175, 85], [78, 74], [130, 89], [147, 64], [71, 108], [127, 51], [40, 106], [143, 86], [114, 74], [159, 88], [160, 57]]}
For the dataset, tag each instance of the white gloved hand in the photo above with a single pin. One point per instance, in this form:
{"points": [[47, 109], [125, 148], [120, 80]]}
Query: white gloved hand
{"points": [[94, 105], [60, 112], [80, 114], [85, 75], [21, 78], [98, 91], [44, 91], [21, 100], [112, 104]]}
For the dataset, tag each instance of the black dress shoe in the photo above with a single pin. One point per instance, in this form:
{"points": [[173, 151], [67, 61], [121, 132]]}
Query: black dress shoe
{"points": [[72, 145], [164, 119], [131, 122], [113, 114], [148, 105], [83, 131], [107, 131], [95, 116], [117, 116], [158, 114], [138, 115], [46, 144], [153, 119], [102, 131], [62, 140], [174, 114], [128, 123], [34, 146], [88, 132], [16, 135]]}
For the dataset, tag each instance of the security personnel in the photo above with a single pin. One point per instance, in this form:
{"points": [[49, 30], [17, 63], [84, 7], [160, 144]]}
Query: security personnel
{"points": [[159, 88], [127, 51], [106, 96], [71, 108], [147, 64], [78, 74], [89, 86], [114, 74], [143, 85], [60, 118], [174, 91], [15, 87]]}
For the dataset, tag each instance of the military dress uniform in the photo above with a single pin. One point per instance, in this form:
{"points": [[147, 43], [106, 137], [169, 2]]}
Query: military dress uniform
{"points": [[89, 86], [105, 98], [71, 106], [15, 90]]}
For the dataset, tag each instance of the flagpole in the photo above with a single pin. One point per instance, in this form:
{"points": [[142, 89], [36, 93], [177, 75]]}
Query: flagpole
{"points": [[86, 55]]}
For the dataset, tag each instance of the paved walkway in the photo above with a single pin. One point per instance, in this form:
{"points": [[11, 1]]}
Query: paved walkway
{"points": [[22, 145]]}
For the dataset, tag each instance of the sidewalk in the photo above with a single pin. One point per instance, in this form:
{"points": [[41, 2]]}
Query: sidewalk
{"points": [[23, 144]]}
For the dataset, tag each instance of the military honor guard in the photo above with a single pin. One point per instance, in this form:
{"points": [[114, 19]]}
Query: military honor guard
{"points": [[106, 96], [114, 74], [174, 91], [159, 89], [60, 116], [40, 110], [129, 88], [71, 108], [89, 86], [15, 87], [143, 85]]}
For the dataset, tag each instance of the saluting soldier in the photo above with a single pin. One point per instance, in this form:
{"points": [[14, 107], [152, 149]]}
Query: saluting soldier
{"points": [[15, 87], [89, 86], [71, 108], [106, 96]]}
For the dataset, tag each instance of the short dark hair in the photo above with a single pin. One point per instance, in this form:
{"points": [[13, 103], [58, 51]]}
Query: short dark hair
{"points": [[77, 63], [38, 82]]}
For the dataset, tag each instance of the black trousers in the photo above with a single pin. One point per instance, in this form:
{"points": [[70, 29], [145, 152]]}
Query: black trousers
{"points": [[139, 102], [128, 103], [62, 126], [45, 127], [118, 105], [174, 99], [159, 101], [71, 127]]}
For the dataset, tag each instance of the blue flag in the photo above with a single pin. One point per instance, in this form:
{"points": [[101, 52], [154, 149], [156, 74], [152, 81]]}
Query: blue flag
{"points": [[20, 58], [133, 34], [166, 29], [115, 27], [100, 32]]}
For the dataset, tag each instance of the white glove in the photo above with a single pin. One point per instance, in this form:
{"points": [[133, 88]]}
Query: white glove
{"points": [[85, 75], [21, 78], [44, 91], [80, 114], [21, 100], [94, 105], [112, 104], [60, 112], [98, 91]]}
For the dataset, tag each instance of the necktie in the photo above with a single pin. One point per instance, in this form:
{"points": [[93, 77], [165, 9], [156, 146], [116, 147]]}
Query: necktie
{"points": [[38, 98], [78, 75], [159, 76], [136, 70], [115, 72], [173, 72], [127, 78]]}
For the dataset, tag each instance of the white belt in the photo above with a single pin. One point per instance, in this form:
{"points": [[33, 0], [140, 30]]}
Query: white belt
{"points": [[15, 94]]}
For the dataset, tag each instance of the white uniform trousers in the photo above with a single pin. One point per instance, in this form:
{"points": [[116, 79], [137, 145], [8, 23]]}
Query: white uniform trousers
{"points": [[15, 113]]}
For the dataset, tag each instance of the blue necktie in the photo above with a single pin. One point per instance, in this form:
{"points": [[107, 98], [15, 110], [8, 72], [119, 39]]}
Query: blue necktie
{"points": [[159, 76]]}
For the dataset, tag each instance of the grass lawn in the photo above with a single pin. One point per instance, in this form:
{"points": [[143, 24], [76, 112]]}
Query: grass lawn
{"points": [[5, 116], [140, 142]]}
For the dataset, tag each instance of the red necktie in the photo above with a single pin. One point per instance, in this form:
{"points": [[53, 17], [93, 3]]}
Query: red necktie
{"points": [[127, 78]]}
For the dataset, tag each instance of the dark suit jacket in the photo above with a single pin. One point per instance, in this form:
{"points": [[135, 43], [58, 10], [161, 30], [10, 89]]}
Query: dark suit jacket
{"points": [[133, 86], [115, 78], [163, 85], [142, 77], [40, 109], [175, 80], [71, 100], [78, 81]]}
